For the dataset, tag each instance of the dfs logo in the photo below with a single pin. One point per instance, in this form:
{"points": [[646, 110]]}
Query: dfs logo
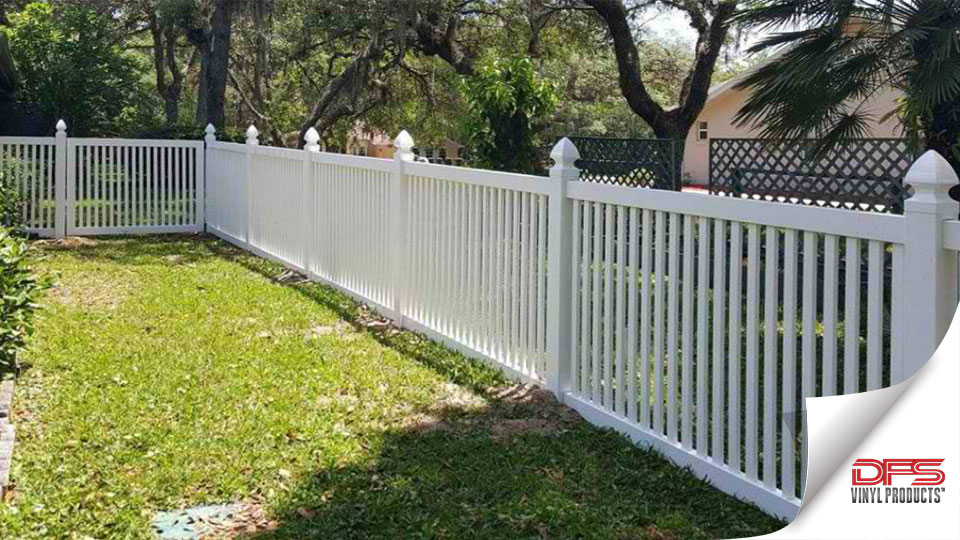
{"points": [[924, 473]]}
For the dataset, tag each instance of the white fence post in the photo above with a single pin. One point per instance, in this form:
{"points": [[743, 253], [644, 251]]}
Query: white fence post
{"points": [[930, 271], [309, 203], [559, 272], [210, 135], [252, 141], [64, 203], [398, 224]]}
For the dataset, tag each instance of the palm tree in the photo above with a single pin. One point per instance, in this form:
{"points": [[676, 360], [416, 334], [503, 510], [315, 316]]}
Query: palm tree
{"points": [[836, 54]]}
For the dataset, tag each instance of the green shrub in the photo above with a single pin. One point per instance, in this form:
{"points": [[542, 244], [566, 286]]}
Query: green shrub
{"points": [[11, 204], [507, 99], [195, 133], [19, 290]]}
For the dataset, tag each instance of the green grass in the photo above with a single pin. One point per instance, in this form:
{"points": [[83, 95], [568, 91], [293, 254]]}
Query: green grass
{"points": [[168, 372]]}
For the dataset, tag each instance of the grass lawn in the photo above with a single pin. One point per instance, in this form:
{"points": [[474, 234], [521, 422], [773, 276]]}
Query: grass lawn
{"points": [[173, 371]]}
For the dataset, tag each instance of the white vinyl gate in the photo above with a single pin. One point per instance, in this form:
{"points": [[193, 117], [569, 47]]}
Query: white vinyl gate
{"points": [[83, 186], [118, 186]]}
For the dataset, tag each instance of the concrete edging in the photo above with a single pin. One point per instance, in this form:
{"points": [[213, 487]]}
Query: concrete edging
{"points": [[7, 433]]}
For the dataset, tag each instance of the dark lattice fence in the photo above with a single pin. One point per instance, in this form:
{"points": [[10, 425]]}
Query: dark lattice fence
{"points": [[648, 163], [861, 174]]}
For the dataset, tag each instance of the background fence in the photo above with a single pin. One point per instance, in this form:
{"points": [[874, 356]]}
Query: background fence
{"points": [[693, 324], [650, 163], [861, 174]]}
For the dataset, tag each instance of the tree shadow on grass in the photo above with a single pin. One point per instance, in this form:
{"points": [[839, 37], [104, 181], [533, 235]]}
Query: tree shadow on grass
{"points": [[518, 466], [511, 463], [511, 469]]}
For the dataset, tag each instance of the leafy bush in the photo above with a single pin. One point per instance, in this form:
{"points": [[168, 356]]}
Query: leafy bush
{"points": [[19, 290], [11, 203], [70, 64], [506, 97]]}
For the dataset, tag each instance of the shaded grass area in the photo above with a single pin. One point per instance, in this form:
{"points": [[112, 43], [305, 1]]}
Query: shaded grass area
{"points": [[173, 371]]}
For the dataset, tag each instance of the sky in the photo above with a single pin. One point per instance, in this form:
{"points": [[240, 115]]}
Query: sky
{"points": [[674, 24]]}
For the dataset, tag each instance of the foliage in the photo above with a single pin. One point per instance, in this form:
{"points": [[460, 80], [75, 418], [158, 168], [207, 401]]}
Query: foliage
{"points": [[506, 98], [11, 204], [191, 133], [19, 291], [175, 371], [848, 52], [69, 64]]}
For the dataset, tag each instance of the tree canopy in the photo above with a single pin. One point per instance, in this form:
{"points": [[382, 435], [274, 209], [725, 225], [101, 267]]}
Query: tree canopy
{"points": [[132, 67]]}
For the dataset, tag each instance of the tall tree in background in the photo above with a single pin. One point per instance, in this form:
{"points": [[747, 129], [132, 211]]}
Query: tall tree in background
{"points": [[209, 28], [388, 32], [711, 19], [170, 74], [848, 51]]}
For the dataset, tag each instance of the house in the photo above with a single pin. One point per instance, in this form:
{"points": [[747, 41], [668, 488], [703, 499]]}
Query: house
{"points": [[362, 141], [716, 121]]}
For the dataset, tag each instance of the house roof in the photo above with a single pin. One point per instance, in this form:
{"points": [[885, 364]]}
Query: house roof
{"points": [[729, 84]]}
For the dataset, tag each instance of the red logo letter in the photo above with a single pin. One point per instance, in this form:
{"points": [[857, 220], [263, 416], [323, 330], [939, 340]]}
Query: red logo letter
{"points": [[859, 480]]}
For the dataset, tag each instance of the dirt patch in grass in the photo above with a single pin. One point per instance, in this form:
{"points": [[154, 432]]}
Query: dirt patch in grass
{"points": [[92, 293], [250, 518], [504, 412], [71, 243]]}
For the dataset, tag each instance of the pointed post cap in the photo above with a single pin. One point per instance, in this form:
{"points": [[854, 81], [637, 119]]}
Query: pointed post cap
{"points": [[311, 137], [403, 141], [564, 153], [211, 133], [931, 177], [61, 126], [931, 168], [404, 145], [252, 134]]}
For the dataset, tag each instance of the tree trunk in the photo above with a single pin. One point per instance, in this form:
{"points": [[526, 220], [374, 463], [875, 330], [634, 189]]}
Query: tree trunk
{"points": [[214, 47], [218, 63], [164, 61], [200, 117], [674, 123]]}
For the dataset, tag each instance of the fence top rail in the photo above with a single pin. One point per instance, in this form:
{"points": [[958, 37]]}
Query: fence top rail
{"points": [[360, 162], [805, 141], [227, 146], [275, 151], [647, 139], [951, 235], [28, 140], [160, 143], [865, 225], [479, 177]]}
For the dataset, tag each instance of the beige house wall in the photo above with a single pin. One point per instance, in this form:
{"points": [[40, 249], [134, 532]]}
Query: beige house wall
{"points": [[721, 109]]}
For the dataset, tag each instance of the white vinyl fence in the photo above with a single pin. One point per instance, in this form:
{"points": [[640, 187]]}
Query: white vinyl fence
{"points": [[28, 164], [691, 323], [80, 186]]}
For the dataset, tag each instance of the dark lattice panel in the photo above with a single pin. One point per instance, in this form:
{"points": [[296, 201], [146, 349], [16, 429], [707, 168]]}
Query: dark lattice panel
{"points": [[861, 174], [628, 162]]}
